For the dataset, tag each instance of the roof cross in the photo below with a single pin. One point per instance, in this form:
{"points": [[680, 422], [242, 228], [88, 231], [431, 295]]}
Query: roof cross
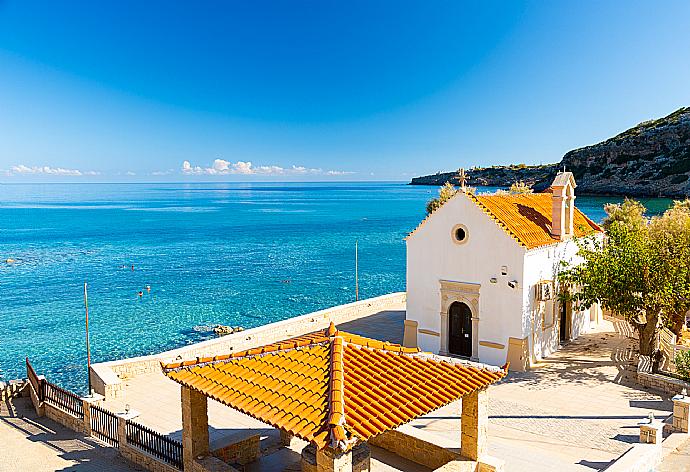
{"points": [[462, 178]]}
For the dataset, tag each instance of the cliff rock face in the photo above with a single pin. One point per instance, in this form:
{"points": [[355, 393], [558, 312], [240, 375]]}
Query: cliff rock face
{"points": [[651, 159], [496, 176]]}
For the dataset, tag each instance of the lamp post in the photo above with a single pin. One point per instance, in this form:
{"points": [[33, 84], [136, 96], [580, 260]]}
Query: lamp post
{"points": [[88, 347]]}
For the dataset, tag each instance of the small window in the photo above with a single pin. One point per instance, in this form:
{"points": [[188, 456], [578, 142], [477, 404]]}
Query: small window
{"points": [[460, 234]]}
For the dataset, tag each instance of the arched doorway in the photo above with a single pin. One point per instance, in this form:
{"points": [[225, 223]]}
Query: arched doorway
{"points": [[460, 329]]}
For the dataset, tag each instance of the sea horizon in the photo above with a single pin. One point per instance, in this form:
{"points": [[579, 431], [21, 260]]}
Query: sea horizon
{"points": [[231, 253]]}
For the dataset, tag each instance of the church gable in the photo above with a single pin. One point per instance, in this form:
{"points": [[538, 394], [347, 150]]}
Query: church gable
{"points": [[459, 219]]}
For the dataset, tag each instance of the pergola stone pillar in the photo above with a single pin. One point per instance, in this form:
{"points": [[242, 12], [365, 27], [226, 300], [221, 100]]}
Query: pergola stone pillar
{"points": [[194, 426], [474, 424], [357, 459]]}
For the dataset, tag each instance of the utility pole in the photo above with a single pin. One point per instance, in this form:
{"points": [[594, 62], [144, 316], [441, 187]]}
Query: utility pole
{"points": [[356, 271], [88, 347]]}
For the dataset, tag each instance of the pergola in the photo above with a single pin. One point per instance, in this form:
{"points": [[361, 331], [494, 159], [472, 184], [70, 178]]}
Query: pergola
{"points": [[335, 390]]}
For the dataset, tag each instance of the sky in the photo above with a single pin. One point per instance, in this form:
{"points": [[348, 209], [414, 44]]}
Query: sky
{"points": [[324, 90]]}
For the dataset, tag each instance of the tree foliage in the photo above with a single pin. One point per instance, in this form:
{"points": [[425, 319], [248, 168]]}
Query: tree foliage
{"points": [[445, 193], [641, 271]]}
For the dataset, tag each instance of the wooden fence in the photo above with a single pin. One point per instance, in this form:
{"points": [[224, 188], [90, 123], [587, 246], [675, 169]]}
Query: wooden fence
{"points": [[36, 383], [104, 425], [158, 445], [63, 399]]}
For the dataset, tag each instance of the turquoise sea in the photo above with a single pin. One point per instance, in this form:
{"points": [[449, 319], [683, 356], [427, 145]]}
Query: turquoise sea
{"points": [[213, 253]]}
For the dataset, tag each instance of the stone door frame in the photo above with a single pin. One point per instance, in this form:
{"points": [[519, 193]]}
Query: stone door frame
{"points": [[463, 292]]}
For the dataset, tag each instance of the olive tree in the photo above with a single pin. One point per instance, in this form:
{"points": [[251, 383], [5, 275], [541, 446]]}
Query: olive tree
{"points": [[640, 271]]}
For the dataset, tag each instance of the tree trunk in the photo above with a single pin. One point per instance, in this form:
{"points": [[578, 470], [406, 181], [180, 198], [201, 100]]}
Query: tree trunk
{"points": [[648, 339]]}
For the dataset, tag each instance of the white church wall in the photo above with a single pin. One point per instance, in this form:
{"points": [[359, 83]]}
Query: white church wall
{"points": [[432, 255], [544, 264]]}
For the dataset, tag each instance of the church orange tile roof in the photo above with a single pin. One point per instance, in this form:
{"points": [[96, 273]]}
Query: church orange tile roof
{"points": [[527, 217], [333, 388]]}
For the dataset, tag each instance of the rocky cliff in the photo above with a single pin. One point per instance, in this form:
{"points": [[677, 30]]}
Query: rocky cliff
{"points": [[650, 159], [495, 176]]}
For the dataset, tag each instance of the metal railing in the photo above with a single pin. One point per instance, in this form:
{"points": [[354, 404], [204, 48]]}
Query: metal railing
{"points": [[158, 445], [36, 383], [63, 399], [104, 425]]}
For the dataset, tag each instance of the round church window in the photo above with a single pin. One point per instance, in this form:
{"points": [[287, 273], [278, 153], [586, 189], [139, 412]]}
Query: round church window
{"points": [[460, 234]]}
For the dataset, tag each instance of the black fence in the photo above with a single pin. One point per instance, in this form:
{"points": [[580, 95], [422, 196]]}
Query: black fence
{"points": [[158, 445], [104, 425], [35, 382], [63, 399]]}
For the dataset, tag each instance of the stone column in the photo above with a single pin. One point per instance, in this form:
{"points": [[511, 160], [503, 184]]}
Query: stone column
{"points": [[410, 333], [286, 439], [681, 413], [651, 431], [194, 426], [474, 424], [86, 405], [122, 431], [331, 460]]}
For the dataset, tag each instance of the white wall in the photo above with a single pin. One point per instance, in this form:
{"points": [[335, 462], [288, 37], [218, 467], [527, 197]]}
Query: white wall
{"points": [[432, 255], [544, 264]]}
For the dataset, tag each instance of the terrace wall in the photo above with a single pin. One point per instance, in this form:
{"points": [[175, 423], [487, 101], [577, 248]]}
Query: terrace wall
{"points": [[106, 377]]}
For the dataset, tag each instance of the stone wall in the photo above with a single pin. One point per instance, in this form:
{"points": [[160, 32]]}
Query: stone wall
{"points": [[662, 383], [144, 460], [64, 418], [106, 377], [639, 458], [13, 388], [240, 452], [417, 450]]}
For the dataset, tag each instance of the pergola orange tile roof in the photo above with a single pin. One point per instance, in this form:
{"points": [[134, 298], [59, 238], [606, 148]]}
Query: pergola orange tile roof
{"points": [[527, 217], [333, 388]]}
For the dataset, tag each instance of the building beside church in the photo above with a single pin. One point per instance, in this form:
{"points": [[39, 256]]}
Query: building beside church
{"points": [[482, 276]]}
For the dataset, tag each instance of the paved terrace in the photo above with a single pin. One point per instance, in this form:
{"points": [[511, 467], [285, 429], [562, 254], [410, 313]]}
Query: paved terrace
{"points": [[575, 412], [30, 443]]}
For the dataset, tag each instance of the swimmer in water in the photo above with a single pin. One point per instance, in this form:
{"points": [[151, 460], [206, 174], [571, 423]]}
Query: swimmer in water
{"points": [[148, 288], [132, 267], [141, 293]]}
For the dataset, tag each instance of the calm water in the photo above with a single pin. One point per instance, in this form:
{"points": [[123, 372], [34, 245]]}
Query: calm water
{"points": [[232, 254]]}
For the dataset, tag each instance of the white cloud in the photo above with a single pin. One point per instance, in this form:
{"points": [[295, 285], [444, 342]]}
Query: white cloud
{"points": [[22, 169], [223, 167]]}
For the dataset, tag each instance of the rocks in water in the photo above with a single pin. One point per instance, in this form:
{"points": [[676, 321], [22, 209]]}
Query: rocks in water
{"points": [[222, 330]]}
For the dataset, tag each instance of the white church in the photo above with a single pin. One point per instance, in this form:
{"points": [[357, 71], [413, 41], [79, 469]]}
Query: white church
{"points": [[481, 276]]}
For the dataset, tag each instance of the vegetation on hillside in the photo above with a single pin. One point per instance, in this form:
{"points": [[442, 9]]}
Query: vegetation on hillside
{"points": [[641, 272]]}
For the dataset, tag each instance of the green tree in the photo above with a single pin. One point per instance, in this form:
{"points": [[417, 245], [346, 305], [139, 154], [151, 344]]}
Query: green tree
{"points": [[445, 193], [640, 271]]}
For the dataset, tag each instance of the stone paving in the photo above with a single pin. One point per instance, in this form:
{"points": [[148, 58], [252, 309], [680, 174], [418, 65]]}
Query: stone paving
{"points": [[678, 460], [30, 443], [575, 412]]}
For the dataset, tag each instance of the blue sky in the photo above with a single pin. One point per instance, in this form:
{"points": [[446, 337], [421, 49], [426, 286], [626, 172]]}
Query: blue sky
{"points": [[325, 90]]}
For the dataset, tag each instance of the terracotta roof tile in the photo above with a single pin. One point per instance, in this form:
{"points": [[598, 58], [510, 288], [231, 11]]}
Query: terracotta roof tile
{"points": [[333, 388], [527, 218]]}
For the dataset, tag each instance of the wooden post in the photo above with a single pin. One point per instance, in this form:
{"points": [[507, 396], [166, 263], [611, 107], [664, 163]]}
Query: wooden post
{"points": [[88, 347], [356, 271]]}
